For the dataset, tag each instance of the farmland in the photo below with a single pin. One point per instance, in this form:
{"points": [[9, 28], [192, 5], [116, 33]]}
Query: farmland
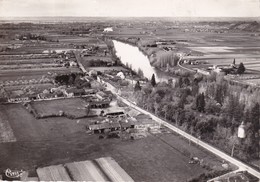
{"points": [[75, 107], [49, 67], [53, 141]]}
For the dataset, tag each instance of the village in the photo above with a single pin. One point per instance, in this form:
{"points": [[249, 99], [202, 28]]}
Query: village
{"points": [[81, 113]]}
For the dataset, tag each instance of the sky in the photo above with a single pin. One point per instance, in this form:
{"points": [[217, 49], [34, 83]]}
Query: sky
{"points": [[130, 8]]}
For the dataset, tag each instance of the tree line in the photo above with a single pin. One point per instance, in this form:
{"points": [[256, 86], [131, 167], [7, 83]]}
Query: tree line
{"points": [[206, 107]]}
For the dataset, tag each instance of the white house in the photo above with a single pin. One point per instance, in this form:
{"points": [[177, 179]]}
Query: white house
{"points": [[108, 29]]}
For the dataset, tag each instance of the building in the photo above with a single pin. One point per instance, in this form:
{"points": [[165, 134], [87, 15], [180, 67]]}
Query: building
{"points": [[113, 112], [204, 72], [108, 29], [145, 123], [70, 92], [101, 127], [18, 99], [99, 104], [126, 124], [103, 96]]}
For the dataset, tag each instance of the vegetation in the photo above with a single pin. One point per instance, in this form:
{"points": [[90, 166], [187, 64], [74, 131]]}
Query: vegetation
{"points": [[137, 86], [241, 69], [209, 108], [165, 59], [74, 79], [153, 82]]}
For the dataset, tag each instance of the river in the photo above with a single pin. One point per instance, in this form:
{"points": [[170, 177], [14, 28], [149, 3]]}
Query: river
{"points": [[132, 56]]}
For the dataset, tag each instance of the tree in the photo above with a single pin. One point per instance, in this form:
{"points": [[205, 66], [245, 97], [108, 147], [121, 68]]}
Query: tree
{"points": [[180, 82], [255, 121], [153, 82], [200, 102], [241, 69], [137, 86], [140, 73], [212, 107]]}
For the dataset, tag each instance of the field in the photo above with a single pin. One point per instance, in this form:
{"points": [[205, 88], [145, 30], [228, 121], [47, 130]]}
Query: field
{"points": [[26, 89], [74, 107], [28, 74], [102, 69], [60, 140]]}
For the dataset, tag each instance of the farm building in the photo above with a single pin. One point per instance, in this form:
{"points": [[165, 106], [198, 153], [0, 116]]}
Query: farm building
{"points": [[89, 91], [101, 169], [53, 173], [18, 99], [103, 96], [99, 104], [101, 127], [45, 96], [121, 75], [113, 112], [108, 29], [204, 72], [74, 92], [128, 123], [145, 123]]}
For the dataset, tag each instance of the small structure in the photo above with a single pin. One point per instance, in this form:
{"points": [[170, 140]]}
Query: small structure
{"points": [[113, 112], [74, 92], [121, 75], [108, 29], [204, 72], [145, 123], [241, 131], [103, 96], [53, 173], [126, 124], [101, 127], [99, 104]]}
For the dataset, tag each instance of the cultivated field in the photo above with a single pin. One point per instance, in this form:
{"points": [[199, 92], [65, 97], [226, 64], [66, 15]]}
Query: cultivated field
{"points": [[111, 68], [28, 74]]}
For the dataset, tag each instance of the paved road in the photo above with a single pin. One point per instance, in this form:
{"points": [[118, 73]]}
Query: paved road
{"points": [[241, 165]]}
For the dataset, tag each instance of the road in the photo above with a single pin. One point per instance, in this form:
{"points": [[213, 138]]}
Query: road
{"points": [[78, 59], [242, 166], [179, 64]]}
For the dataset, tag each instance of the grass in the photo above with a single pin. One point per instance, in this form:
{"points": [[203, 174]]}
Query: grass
{"points": [[53, 141], [6, 132], [27, 74], [71, 107]]}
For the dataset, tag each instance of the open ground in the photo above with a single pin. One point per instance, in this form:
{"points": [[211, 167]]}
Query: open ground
{"points": [[59, 140]]}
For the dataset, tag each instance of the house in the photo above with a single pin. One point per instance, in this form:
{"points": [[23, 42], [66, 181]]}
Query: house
{"points": [[99, 104], [45, 96], [103, 95], [126, 124], [121, 75], [89, 91], [70, 92], [204, 72], [113, 112], [101, 127], [18, 99], [108, 29]]}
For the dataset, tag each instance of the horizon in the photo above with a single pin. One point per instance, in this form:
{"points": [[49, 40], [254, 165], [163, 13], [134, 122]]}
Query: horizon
{"points": [[133, 8]]}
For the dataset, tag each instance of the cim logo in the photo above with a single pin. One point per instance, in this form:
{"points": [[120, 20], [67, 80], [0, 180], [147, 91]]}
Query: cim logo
{"points": [[14, 174]]}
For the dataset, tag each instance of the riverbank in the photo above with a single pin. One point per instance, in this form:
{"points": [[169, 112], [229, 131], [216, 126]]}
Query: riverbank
{"points": [[159, 56], [134, 59]]}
